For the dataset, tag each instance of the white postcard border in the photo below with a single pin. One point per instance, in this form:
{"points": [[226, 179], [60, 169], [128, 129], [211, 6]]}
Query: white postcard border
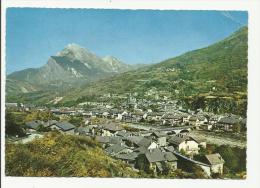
{"points": [[253, 159]]}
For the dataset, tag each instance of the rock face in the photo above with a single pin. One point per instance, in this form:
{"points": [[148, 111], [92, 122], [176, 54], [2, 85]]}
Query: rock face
{"points": [[116, 65], [74, 64]]}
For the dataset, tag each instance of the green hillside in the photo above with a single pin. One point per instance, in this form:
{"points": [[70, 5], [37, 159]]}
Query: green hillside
{"points": [[213, 78], [63, 156]]}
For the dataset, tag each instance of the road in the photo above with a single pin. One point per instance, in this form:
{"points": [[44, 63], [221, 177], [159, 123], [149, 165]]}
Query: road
{"points": [[209, 137], [141, 127], [213, 139]]}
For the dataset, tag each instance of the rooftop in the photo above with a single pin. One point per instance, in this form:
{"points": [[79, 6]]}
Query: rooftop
{"points": [[228, 120], [214, 159], [65, 126], [111, 127], [155, 156], [179, 138]]}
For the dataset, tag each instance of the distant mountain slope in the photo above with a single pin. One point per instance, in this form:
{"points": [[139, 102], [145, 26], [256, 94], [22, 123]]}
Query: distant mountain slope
{"points": [[74, 64], [212, 78], [217, 71], [64, 72], [16, 86]]}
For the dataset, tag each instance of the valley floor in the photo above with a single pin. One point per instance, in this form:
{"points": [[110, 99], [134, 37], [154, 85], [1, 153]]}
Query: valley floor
{"points": [[217, 139]]}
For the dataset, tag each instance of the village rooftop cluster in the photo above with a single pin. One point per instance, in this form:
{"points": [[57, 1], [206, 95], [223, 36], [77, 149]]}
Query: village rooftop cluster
{"points": [[153, 140]]}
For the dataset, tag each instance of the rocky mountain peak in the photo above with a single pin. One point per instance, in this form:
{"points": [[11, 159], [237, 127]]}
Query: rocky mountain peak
{"points": [[111, 60], [76, 52], [73, 64]]}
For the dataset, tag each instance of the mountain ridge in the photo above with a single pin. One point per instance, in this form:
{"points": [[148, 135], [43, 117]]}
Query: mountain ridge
{"points": [[213, 78], [74, 64], [214, 74]]}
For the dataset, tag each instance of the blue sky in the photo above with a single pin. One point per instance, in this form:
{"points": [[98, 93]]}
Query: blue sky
{"points": [[133, 36]]}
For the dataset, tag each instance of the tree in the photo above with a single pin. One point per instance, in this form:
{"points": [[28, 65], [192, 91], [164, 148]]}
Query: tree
{"points": [[237, 128], [198, 172], [234, 157], [12, 128], [77, 121], [43, 116], [182, 152], [41, 128], [142, 163]]}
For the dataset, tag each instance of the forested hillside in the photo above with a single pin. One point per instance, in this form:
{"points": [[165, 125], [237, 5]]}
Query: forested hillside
{"points": [[213, 78]]}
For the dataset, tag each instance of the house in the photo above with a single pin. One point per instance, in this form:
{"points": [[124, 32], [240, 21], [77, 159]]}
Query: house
{"points": [[50, 123], [174, 119], [213, 119], [216, 162], [152, 146], [106, 114], [177, 119], [110, 129], [132, 141], [123, 133], [93, 129], [82, 131], [168, 119], [121, 114], [202, 142], [64, 127], [138, 116], [169, 148], [155, 116], [185, 118], [201, 120], [117, 149], [115, 140], [160, 138], [169, 107], [87, 115], [127, 118], [114, 113], [157, 161], [129, 158], [207, 126], [184, 143], [141, 142], [103, 140], [101, 113], [34, 125], [94, 114], [11, 105], [144, 133], [171, 160], [193, 120], [147, 143], [140, 150], [87, 121], [227, 123], [28, 107]]}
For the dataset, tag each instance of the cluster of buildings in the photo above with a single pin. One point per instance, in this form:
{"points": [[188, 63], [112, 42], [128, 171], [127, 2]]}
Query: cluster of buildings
{"points": [[176, 117], [153, 151], [159, 150], [158, 113]]}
